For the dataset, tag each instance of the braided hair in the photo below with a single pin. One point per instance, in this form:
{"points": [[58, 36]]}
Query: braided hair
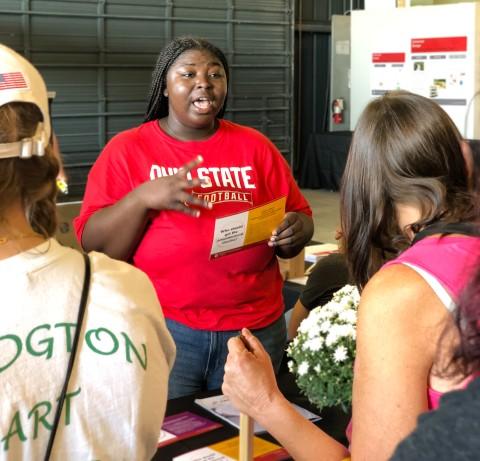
{"points": [[157, 102]]}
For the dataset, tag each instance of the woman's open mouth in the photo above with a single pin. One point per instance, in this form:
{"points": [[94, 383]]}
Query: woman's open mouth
{"points": [[203, 104]]}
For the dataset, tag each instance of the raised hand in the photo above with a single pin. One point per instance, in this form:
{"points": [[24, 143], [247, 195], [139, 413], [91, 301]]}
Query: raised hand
{"points": [[173, 192]]}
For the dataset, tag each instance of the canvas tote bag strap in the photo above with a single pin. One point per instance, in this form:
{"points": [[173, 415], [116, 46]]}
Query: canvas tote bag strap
{"points": [[71, 360]]}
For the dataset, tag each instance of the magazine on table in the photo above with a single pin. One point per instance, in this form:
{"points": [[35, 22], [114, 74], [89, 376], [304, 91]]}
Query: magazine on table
{"points": [[184, 425]]}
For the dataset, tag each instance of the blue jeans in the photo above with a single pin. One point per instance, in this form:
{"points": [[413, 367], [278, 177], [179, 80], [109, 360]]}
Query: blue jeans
{"points": [[201, 355]]}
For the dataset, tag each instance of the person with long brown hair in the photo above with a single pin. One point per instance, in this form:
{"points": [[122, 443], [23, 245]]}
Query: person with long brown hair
{"points": [[118, 353], [406, 214]]}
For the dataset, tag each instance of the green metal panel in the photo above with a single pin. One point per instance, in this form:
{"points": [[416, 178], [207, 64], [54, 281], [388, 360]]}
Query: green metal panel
{"points": [[98, 55]]}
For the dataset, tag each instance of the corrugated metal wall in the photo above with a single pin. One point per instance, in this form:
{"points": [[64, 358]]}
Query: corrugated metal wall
{"points": [[97, 55]]}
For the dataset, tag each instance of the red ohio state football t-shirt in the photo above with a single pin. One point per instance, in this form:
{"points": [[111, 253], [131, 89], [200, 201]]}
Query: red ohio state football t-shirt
{"points": [[242, 169]]}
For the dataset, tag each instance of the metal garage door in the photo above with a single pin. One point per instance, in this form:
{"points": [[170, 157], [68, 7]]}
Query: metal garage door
{"points": [[97, 55]]}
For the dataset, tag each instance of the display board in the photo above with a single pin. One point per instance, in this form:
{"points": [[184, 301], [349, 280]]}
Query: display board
{"points": [[433, 51]]}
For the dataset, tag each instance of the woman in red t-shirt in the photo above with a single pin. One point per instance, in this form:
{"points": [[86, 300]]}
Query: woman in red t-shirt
{"points": [[147, 201]]}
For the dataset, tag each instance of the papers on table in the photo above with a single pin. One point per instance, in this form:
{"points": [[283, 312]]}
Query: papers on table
{"points": [[315, 252], [228, 451], [220, 406]]}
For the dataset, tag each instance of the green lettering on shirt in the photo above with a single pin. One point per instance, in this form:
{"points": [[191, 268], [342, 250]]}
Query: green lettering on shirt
{"points": [[40, 411], [40, 418], [68, 334], [129, 346], [97, 333], [15, 428], [68, 396], [48, 350], [18, 344]]}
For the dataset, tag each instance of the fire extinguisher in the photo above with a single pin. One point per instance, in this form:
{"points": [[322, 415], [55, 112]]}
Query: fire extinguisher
{"points": [[337, 110]]}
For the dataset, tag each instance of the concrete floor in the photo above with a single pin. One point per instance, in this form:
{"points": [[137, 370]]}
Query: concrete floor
{"points": [[326, 214]]}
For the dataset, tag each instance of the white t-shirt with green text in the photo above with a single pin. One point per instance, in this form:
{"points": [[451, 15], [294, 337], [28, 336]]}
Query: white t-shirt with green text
{"points": [[118, 389]]}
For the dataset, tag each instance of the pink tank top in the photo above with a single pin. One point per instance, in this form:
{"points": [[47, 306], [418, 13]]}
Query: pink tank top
{"points": [[450, 260]]}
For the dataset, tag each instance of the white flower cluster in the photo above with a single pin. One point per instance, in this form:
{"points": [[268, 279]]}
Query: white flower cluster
{"points": [[331, 322], [324, 349]]}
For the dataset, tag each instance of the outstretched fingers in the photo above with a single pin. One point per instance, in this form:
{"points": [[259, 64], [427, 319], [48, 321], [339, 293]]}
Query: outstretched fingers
{"points": [[189, 166], [189, 203]]}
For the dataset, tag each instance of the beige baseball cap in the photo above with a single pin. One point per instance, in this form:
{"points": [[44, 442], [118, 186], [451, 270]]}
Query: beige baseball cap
{"points": [[20, 81]]}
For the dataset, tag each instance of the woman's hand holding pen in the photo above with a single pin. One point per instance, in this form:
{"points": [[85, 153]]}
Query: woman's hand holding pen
{"points": [[173, 192], [249, 379]]}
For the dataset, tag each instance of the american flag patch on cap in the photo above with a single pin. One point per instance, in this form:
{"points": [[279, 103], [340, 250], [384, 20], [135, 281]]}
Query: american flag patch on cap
{"points": [[12, 81]]}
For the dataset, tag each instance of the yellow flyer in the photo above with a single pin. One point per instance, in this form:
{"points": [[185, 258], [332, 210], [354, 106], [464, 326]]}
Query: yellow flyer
{"points": [[237, 231], [228, 451]]}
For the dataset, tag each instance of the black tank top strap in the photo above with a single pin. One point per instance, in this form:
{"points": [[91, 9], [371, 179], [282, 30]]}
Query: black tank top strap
{"points": [[463, 228]]}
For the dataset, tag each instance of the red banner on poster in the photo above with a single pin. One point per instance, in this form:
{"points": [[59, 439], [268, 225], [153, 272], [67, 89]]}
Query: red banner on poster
{"points": [[439, 45], [388, 57]]}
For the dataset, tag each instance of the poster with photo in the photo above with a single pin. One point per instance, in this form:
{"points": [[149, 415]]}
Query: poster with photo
{"points": [[439, 69]]}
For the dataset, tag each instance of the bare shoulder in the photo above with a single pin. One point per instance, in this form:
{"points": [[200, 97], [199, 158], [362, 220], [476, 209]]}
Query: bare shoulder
{"points": [[398, 292], [397, 332]]}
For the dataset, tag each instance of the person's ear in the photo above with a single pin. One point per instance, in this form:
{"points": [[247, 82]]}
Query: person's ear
{"points": [[165, 92], [468, 158]]}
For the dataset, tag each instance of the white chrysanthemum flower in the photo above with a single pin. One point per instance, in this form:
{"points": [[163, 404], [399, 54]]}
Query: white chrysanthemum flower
{"points": [[350, 331], [303, 368], [328, 307], [342, 330], [308, 323], [324, 314], [303, 327], [355, 296], [340, 354], [314, 344], [332, 337], [348, 315], [345, 303], [325, 326], [328, 333], [313, 332]]}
